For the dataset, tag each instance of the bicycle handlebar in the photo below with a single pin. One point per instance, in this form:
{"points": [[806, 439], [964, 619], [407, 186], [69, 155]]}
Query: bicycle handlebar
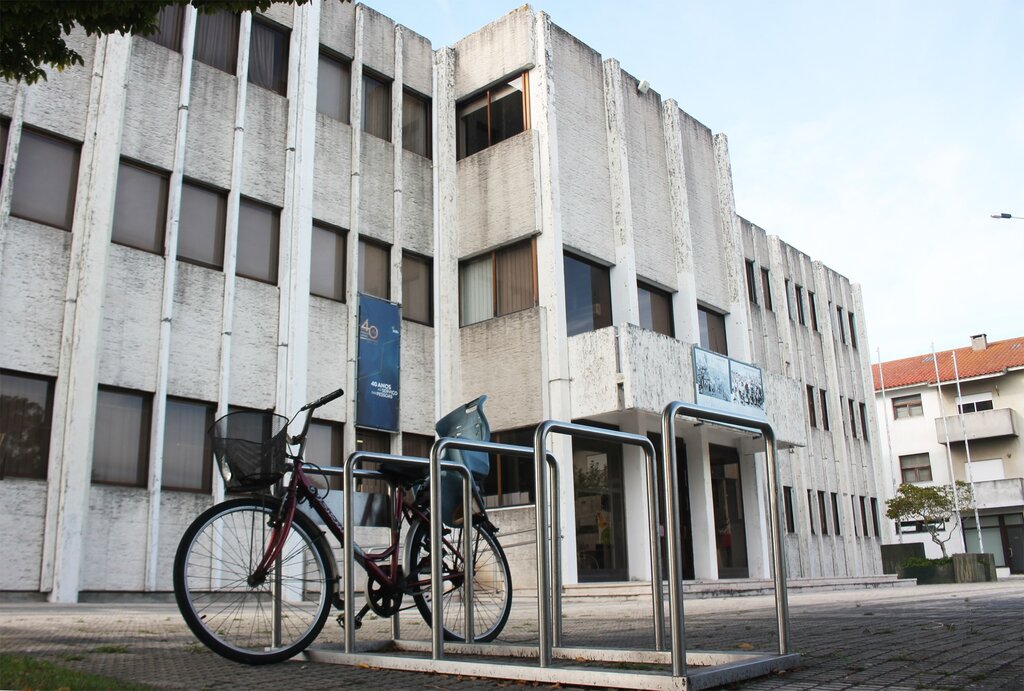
{"points": [[323, 400]]}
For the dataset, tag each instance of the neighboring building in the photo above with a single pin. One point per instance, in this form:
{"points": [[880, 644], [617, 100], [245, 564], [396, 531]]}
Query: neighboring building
{"points": [[178, 241], [979, 420]]}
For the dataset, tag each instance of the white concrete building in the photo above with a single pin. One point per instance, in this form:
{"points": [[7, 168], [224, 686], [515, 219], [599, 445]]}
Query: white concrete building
{"points": [[186, 222], [967, 430]]}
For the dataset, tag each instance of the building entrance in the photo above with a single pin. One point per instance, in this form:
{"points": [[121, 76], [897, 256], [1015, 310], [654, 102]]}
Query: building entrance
{"points": [[683, 504], [730, 526], [600, 523]]}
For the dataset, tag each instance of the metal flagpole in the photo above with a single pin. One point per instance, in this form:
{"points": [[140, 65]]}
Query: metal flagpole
{"points": [[967, 450], [888, 437], [949, 452]]}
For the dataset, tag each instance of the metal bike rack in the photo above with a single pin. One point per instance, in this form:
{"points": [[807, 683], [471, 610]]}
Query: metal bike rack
{"points": [[715, 667]]}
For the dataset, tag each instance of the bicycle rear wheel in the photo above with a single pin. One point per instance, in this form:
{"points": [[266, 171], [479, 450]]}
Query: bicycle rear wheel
{"points": [[235, 617], [492, 581]]}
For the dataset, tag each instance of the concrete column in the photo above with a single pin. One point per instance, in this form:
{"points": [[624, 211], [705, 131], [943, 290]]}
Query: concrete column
{"points": [[74, 410], [755, 511], [448, 369], [634, 475], [625, 303], [156, 440], [10, 158], [702, 510], [684, 300], [396, 170], [551, 283], [737, 322]]}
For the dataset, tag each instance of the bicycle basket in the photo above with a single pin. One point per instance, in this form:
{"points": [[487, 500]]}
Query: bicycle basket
{"points": [[251, 449]]}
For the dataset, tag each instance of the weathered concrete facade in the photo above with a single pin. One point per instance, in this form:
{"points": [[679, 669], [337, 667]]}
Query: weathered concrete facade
{"points": [[603, 170]]}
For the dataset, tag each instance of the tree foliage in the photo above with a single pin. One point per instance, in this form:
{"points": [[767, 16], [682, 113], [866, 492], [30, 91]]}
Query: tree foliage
{"points": [[32, 32], [932, 506]]}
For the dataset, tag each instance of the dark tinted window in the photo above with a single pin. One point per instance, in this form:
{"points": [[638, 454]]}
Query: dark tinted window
{"points": [[588, 296], [712, 331], [655, 309], [217, 40], [377, 107], [169, 24], [121, 437], [374, 269], [201, 225], [327, 271], [495, 115], [417, 289], [416, 123], [188, 454], [258, 230], [334, 87], [45, 180], [268, 56], [26, 411], [140, 210]]}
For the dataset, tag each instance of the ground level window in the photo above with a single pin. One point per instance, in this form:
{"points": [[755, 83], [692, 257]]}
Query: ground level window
{"points": [[26, 411], [511, 480], [121, 441], [188, 454]]}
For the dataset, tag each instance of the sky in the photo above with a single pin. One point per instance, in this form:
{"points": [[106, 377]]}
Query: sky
{"points": [[875, 136]]}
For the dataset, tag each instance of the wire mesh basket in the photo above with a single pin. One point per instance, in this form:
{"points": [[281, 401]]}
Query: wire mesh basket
{"points": [[251, 449]]}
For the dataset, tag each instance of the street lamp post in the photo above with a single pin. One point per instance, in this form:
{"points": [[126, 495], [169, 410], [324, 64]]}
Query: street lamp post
{"points": [[1005, 215]]}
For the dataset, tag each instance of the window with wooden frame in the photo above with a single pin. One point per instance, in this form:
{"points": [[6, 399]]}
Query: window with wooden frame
{"points": [[500, 112], [916, 467], [374, 268], [711, 327], [511, 480], [655, 309], [500, 282], [588, 295], [327, 265], [417, 288], [907, 406]]}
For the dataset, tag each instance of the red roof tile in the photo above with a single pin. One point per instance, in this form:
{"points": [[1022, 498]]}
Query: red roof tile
{"points": [[920, 369]]}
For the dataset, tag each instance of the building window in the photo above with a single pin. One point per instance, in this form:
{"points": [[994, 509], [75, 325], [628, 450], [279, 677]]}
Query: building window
{"points": [[324, 448], [712, 331], [853, 329], [188, 454], [217, 40], [374, 442], [874, 516], [810, 406], [810, 511], [417, 288], [416, 445], [258, 239], [907, 406], [975, 403], [493, 116], [140, 208], [374, 268], [377, 106], [766, 289], [800, 306], [863, 516], [835, 513], [787, 498], [863, 420], [588, 295], [916, 467], [4, 128], [823, 395], [120, 451], [853, 418], [268, 56], [655, 309], [498, 283], [511, 480], [751, 288], [45, 180], [842, 327], [416, 123], [201, 225], [26, 412], [327, 268], [813, 308], [333, 87], [169, 23], [853, 505], [789, 302], [822, 513]]}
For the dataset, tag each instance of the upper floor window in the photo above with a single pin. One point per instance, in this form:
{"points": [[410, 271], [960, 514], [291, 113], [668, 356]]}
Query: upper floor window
{"points": [[916, 467], [907, 406], [853, 330], [822, 513], [140, 208], [217, 40], [863, 420], [810, 406], [201, 225], [121, 441], [169, 23], [493, 116], [766, 288], [417, 288], [268, 56], [258, 230], [813, 305], [588, 295], [333, 87], [374, 268], [874, 516], [655, 309], [751, 288], [377, 106], [824, 409], [26, 411], [842, 325], [46, 180], [498, 283], [835, 514], [800, 305], [787, 498], [974, 403], [416, 123], [712, 330], [789, 301], [188, 454], [853, 418], [327, 267]]}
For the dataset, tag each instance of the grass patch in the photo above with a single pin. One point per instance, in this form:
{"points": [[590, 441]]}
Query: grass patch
{"points": [[110, 649], [17, 672]]}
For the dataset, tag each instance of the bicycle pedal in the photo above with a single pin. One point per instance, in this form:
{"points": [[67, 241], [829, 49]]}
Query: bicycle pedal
{"points": [[341, 622]]}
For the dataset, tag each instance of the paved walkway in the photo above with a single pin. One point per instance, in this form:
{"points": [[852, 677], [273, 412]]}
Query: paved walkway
{"points": [[924, 637]]}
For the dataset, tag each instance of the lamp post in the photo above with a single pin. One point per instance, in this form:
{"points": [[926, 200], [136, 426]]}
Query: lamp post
{"points": [[1005, 215]]}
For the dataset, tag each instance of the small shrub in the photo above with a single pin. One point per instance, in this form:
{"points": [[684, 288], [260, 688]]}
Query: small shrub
{"points": [[921, 561]]}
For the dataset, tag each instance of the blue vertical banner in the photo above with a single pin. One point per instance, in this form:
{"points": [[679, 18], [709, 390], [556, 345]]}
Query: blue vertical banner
{"points": [[379, 364]]}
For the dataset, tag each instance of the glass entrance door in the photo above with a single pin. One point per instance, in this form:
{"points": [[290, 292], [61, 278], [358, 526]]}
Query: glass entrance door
{"points": [[600, 524], [730, 526], [682, 504]]}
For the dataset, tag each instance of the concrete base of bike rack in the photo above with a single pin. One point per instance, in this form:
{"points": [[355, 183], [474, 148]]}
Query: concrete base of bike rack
{"points": [[705, 669]]}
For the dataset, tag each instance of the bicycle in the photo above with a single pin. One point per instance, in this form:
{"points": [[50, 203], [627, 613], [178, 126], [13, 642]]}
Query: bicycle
{"points": [[250, 563]]}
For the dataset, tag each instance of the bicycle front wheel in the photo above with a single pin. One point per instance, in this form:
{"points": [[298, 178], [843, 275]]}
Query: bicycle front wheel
{"points": [[492, 581], [236, 616]]}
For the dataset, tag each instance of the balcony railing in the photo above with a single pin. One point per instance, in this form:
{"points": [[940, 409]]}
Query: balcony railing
{"points": [[984, 424]]}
